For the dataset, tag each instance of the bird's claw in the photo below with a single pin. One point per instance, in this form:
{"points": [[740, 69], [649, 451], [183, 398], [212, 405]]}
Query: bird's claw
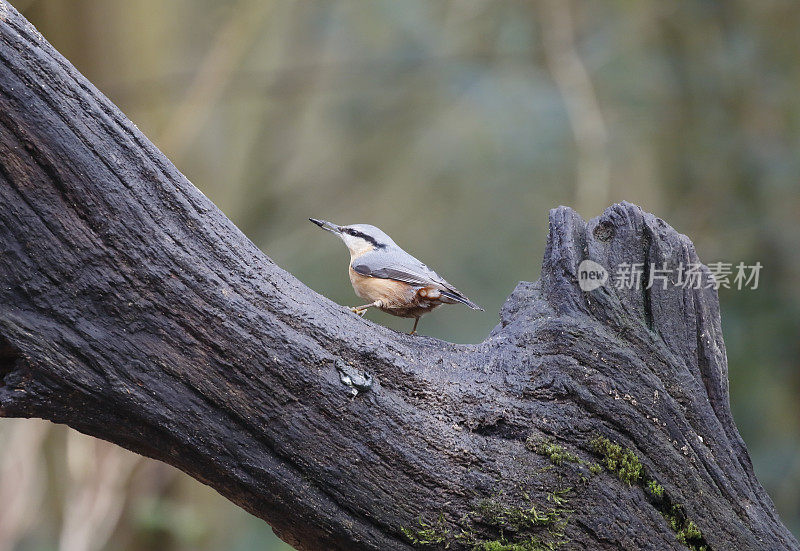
{"points": [[358, 312]]}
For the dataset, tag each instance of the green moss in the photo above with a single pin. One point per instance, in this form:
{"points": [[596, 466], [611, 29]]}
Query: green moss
{"points": [[558, 496], [512, 524], [516, 523], [655, 489], [531, 544], [619, 460], [686, 531], [691, 531], [498, 545], [558, 455], [555, 452], [514, 519], [624, 463], [520, 527], [427, 534]]}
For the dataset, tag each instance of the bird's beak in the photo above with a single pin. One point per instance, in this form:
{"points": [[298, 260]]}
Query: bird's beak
{"points": [[325, 225]]}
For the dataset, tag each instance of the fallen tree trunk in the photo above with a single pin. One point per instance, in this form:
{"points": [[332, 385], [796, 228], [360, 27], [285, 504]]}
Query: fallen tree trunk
{"points": [[131, 309]]}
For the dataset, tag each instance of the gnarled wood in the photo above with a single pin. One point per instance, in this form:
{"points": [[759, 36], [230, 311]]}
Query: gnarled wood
{"points": [[131, 309]]}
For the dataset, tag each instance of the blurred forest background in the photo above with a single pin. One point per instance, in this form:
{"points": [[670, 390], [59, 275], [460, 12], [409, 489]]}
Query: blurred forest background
{"points": [[454, 126]]}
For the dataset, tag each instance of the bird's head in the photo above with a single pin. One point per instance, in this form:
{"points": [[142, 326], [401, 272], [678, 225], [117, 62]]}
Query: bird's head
{"points": [[359, 238]]}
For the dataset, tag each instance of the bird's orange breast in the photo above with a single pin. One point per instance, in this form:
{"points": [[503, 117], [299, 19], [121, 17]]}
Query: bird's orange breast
{"points": [[397, 298], [391, 293]]}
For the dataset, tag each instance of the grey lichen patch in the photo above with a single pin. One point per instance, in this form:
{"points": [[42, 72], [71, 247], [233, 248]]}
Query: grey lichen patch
{"points": [[353, 378], [626, 465]]}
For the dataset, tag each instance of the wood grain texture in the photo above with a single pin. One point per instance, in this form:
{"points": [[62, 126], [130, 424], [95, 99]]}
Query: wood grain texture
{"points": [[133, 310]]}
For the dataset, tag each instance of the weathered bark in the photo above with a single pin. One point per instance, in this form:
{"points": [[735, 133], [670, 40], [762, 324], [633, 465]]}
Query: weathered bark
{"points": [[131, 309]]}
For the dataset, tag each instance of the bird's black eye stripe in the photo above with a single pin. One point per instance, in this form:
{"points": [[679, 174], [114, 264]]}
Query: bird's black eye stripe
{"points": [[368, 238]]}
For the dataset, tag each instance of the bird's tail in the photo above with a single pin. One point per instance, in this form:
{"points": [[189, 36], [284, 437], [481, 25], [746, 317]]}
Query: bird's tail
{"points": [[462, 299]]}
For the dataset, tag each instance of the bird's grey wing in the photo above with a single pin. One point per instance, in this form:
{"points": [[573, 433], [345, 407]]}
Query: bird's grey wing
{"points": [[400, 267]]}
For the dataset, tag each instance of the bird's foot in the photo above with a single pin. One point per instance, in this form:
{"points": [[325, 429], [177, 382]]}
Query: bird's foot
{"points": [[358, 311], [414, 332]]}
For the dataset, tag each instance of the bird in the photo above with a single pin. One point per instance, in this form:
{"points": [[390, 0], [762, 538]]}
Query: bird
{"points": [[388, 277]]}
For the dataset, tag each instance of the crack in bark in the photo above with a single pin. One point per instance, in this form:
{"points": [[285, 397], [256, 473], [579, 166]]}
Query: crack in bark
{"points": [[9, 360]]}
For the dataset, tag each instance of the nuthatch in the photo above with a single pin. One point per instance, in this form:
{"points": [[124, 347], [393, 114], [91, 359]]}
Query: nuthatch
{"points": [[390, 278]]}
